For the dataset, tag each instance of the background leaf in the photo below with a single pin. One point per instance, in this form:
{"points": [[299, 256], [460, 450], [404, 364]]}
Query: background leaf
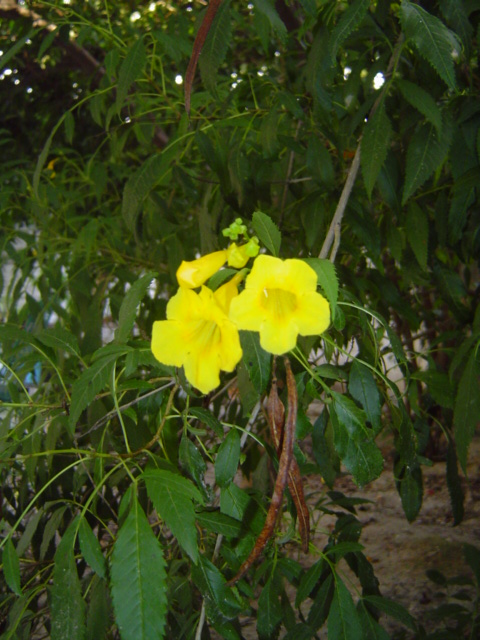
{"points": [[375, 144], [267, 232], [228, 457], [130, 69]]}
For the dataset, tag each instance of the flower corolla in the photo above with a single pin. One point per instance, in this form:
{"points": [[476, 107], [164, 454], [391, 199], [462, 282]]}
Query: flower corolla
{"points": [[280, 301]]}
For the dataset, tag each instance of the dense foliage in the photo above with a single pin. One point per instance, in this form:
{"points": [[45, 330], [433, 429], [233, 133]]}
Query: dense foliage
{"points": [[344, 133]]}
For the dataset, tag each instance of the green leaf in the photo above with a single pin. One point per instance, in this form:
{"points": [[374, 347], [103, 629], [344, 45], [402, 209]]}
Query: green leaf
{"points": [[327, 279], [128, 308], [309, 580], [213, 587], [432, 39], [267, 232], [321, 605], [423, 102], [228, 457], [215, 48], [375, 144], [411, 492], [256, 360], [208, 418], [392, 609], [138, 579], [85, 388], [319, 163], [472, 557], [426, 153], [363, 388], [454, 484], [456, 15], [130, 69], [370, 628], [91, 550], [219, 523], [59, 338], [68, 606], [267, 8], [172, 497], [98, 615], [417, 233], [350, 20], [16, 47], [269, 610], [343, 622], [154, 170], [192, 462], [50, 529], [323, 452], [467, 408], [11, 567]]}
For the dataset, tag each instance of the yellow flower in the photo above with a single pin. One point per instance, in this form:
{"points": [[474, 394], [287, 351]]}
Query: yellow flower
{"points": [[198, 335], [280, 301], [195, 273], [239, 256]]}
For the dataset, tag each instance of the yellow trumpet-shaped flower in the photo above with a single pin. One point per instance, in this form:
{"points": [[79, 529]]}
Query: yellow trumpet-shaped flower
{"points": [[198, 335], [280, 301], [196, 272]]}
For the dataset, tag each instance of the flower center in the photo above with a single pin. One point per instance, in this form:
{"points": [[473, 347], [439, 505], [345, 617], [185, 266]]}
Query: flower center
{"points": [[204, 334], [278, 302]]}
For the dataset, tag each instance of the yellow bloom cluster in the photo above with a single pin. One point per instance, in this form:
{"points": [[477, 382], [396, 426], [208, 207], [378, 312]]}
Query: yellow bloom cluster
{"points": [[280, 301]]}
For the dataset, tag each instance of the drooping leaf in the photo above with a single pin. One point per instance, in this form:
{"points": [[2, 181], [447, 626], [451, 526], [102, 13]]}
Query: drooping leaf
{"points": [[219, 523], [216, 45], [208, 418], [423, 102], [319, 162], [363, 388], [320, 608], [11, 567], [257, 360], [327, 279], [214, 589], [370, 627], [433, 40], [426, 153], [138, 579], [172, 496], [392, 609], [85, 388], [417, 233], [267, 232], [343, 622], [130, 70], [309, 580], [59, 338], [375, 144], [411, 492], [91, 550], [269, 610], [456, 15], [128, 308], [193, 463], [325, 457], [50, 530], [267, 8], [68, 606], [228, 457], [154, 170], [467, 408], [98, 614], [350, 20], [454, 484]]}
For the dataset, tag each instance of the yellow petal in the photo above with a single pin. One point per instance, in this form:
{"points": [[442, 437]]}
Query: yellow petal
{"points": [[230, 351], [278, 339], [193, 274], [237, 256], [313, 314], [246, 311], [202, 373], [225, 294], [167, 343]]}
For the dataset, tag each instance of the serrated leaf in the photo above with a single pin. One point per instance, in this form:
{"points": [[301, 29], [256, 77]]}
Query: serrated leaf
{"points": [[426, 153], [392, 609], [375, 144], [350, 20], [139, 185], [91, 550], [423, 102], [327, 279], [138, 579], [228, 457], [343, 622], [11, 567], [417, 233], [433, 40], [269, 610], [128, 308], [215, 48], [172, 496], [59, 338], [467, 408], [267, 232], [362, 387], [68, 606], [308, 581], [267, 8], [456, 16], [219, 523], [257, 360], [130, 69], [87, 386]]}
